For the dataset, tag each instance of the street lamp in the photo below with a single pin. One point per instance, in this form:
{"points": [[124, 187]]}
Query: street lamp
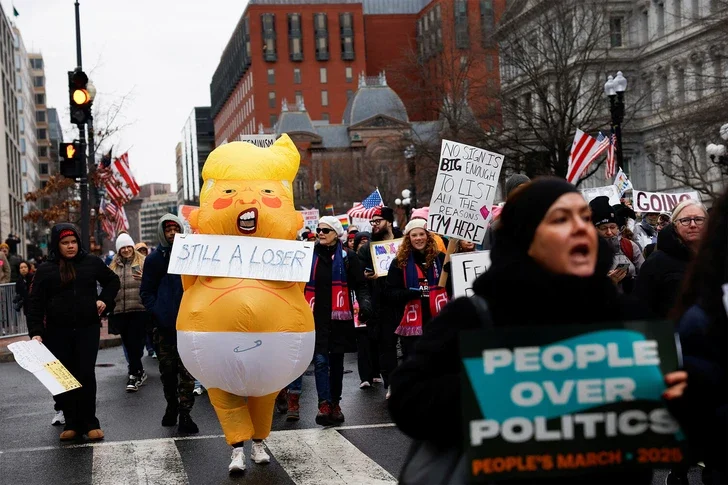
{"points": [[614, 88], [317, 187], [718, 151], [405, 202], [409, 154]]}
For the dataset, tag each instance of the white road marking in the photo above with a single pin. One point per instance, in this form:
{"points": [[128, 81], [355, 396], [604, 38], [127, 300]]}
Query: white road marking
{"points": [[315, 456], [139, 463]]}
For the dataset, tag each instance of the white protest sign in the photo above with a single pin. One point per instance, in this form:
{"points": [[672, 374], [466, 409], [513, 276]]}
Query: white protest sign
{"points": [[254, 258], [660, 201], [622, 182], [464, 191], [310, 218], [35, 357], [466, 267], [362, 223], [608, 190], [262, 141], [383, 253]]}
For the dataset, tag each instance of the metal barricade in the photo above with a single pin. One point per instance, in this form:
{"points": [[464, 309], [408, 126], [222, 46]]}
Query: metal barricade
{"points": [[11, 322]]}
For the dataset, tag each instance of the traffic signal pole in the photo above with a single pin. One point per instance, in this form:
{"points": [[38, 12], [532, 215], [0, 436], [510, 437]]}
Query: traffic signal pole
{"points": [[85, 209]]}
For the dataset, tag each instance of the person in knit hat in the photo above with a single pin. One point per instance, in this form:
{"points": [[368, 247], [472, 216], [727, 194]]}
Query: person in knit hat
{"points": [[424, 213], [546, 271], [512, 183]]}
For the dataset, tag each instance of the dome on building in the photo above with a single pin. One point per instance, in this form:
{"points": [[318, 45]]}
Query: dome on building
{"points": [[374, 98]]}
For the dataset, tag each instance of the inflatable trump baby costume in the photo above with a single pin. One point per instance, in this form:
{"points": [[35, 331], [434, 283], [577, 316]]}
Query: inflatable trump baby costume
{"points": [[246, 339]]}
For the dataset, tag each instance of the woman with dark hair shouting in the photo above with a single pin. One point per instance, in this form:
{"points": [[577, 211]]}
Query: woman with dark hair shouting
{"points": [[64, 315]]}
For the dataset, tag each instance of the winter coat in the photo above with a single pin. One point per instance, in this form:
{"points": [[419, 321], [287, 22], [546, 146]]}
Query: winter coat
{"points": [[72, 305], [5, 270], [381, 317], [14, 261], [128, 299], [337, 336], [22, 290], [645, 234], [161, 292], [661, 276], [518, 293]]}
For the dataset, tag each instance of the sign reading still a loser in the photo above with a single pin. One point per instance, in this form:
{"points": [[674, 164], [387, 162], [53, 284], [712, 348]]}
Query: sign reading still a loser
{"points": [[464, 191], [241, 257], [383, 253]]}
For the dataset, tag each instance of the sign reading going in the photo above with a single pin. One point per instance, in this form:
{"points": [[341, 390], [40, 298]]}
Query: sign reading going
{"points": [[660, 201]]}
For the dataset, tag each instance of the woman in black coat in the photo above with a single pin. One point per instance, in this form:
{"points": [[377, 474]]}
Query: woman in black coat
{"points": [[64, 314], [335, 276], [22, 287], [548, 268]]}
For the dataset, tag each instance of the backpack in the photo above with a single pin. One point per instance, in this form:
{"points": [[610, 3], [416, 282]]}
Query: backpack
{"points": [[627, 248]]}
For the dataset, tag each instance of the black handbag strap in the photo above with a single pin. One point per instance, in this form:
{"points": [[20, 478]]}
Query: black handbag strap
{"points": [[482, 310]]}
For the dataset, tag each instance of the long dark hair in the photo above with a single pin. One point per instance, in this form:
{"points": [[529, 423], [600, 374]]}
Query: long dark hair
{"points": [[68, 271]]}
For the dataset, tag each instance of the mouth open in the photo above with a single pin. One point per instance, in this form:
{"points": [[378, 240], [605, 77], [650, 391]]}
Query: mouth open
{"points": [[581, 250], [248, 221]]}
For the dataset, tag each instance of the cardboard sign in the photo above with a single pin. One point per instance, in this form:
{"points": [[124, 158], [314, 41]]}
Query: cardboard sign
{"points": [[184, 212], [241, 257], [464, 191], [35, 357], [564, 400], [383, 253], [310, 219], [262, 141], [466, 267], [610, 191], [660, 201]]}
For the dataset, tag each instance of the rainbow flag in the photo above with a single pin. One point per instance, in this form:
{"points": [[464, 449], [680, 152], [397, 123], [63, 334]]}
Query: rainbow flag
{"points": [[344, 219], [329, 207]]}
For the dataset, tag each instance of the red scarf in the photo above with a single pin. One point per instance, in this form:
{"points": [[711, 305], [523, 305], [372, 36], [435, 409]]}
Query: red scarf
{"points": [[340, 303], [411, 323]]}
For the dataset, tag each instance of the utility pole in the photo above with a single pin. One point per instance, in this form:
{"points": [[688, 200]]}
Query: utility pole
{"points": [[85, 208]]}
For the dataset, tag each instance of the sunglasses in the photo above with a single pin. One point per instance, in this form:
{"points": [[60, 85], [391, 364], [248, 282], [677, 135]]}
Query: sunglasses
{"points": [[324, 230]]}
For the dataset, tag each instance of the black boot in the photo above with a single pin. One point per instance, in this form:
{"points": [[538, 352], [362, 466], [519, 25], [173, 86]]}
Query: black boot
{"points": [[170, 415], [186, 425]]}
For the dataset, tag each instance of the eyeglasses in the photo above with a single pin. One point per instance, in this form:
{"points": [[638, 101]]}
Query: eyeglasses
{"points": [[376, 222], [324, 230], [685, 221]]}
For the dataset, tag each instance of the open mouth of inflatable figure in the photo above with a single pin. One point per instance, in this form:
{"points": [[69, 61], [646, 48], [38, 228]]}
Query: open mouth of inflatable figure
{"points": [[248, 220]]}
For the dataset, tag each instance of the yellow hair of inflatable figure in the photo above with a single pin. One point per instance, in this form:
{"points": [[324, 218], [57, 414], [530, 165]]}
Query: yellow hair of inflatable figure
{"points": [[246, 339]]}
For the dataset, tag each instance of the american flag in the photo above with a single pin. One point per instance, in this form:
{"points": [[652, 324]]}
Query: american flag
{"points": [[365, 209], [584, 151], [114, 218], [611, 168], [119, 181]]}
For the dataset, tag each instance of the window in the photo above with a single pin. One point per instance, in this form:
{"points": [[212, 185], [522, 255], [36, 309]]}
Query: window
{"points": [[487, 22], [269, 37], [325, 116], [22, 124], [645, 27], [273, 120], [271, 99], [698, 79], [296, 76], [42, 133], [36, 63], [42, 151], [349, 74], [680, 82], [660, 10], [320, 24], [299, 98], [43, 185], [271, 76], [40, 116], [462, 41], [695, 9], [43, 167], [346, 24], [295, 37], [615, 32], [323, 75], [324, 98], [677, 13], [38, 81], [40, 98], [22, 146]]}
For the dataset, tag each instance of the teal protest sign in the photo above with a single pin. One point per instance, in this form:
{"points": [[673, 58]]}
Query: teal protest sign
{"points": [[567, 400]]}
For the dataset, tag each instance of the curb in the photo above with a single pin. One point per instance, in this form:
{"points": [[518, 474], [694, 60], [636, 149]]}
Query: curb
{"points": [[7, 356]]}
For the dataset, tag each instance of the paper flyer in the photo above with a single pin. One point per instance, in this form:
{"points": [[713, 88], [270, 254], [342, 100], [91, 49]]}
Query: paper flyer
{"points": [[35, 357]]}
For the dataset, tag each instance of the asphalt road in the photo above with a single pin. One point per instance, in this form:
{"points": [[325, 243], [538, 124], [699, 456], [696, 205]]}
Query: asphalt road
{"points": [[367, 449]]}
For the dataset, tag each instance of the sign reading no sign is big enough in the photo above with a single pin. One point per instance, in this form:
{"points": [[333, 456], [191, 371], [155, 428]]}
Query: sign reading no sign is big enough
{"points": [[464, 191], [568, 400]]}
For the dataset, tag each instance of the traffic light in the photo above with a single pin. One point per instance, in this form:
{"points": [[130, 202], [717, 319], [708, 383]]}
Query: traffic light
{"points": [[79, 96], [73, 159]]}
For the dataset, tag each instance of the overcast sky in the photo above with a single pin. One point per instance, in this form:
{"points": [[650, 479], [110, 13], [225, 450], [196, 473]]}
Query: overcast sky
{"points": [[161, 54]]}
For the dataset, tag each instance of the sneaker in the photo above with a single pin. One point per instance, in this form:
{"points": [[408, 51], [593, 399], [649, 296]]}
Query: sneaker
{"points": [[170, 415], [389, 394], [377, 380], [150, 353], [323, 417], [282, 401], [364, 385], [293, 407], [237, 460], [58, 419], [142, 378], [258, 454], [336, 415], [154, 355], [132, 385], [198, 391], [186, 425]]}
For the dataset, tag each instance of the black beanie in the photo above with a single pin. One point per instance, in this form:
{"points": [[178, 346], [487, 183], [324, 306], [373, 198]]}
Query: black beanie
{"points": [[622, 212], [386, 213], [524, 211], [602, 212]]}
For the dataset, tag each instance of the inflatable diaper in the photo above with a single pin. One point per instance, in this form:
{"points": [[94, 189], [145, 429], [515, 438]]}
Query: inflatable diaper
{"points": [[246, 339]]}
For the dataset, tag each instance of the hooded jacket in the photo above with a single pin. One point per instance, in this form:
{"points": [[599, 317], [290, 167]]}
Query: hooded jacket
{"points": [[160, 291], [72, 305], [661, 276]]}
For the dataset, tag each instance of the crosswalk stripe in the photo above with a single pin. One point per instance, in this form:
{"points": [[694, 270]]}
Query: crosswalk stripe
{"points": [[315, 456], [138, 463]]}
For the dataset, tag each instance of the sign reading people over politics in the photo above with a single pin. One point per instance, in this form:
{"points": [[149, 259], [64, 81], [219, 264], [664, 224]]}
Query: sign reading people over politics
{"points": [[464, 191], [383, 253], [466, 267], [567, 400], [660, 201], [241, 257]]}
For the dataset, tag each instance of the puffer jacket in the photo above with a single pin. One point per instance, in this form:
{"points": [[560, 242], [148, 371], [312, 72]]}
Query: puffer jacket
{"points": [[128, 298]]}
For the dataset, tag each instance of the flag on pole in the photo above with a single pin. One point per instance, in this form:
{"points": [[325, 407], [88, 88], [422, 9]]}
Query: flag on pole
{"points": [[366, 208], [611, 167], [622, 182], [584, 151], [115, 219], [15, 12], [119, 181], [330, 207]]}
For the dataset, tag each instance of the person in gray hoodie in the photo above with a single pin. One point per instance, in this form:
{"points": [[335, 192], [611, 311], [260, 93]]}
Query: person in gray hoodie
{"points": [[161, 294]]}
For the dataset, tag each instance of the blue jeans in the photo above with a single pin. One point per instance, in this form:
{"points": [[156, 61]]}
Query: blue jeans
{"points": [[321, 366]]}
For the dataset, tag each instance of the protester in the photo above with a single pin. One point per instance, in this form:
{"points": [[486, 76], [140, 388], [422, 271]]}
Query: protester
{"points": [[142, 249], [350, 237], [661, 277], [22, 287], [703, 330], [335, 277], [627, 254], [465, 246], [548, 268], [512, 183], [361, 238], [5, 270], [14, 258], [424, 214], [161, 293], [351, 229], [130, 318], [645, 233], [64, 314]]}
